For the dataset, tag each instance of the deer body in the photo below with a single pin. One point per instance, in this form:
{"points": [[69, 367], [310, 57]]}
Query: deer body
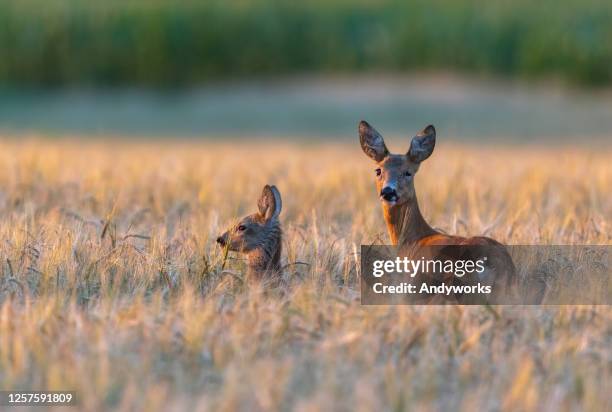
{"points": [[405, 224], [259, 237], [407, 228], [265, 260]]}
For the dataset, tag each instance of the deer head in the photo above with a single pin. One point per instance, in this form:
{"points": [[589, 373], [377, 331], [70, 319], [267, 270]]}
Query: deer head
{"points": [[258, 230], [395, 172]]}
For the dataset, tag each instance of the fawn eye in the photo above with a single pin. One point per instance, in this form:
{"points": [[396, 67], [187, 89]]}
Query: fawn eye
{"points": [[242, 228], [378, 172], [407, 174]]}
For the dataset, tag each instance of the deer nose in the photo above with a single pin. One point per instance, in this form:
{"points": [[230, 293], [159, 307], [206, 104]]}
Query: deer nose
{"points": [[388, 193], [221, 241]]}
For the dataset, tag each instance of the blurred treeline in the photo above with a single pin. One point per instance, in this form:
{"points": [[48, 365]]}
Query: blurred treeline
{"points": [[175, 43]]}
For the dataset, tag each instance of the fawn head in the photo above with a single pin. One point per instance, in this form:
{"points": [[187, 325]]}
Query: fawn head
{"points": [[253, 231], [395, 172]]}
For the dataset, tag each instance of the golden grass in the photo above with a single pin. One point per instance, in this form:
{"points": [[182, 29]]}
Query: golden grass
{"points": [[112, 285]]}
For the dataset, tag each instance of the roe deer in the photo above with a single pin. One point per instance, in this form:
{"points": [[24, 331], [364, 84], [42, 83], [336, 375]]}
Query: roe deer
{"points": [[259, 236], [406, 226]]}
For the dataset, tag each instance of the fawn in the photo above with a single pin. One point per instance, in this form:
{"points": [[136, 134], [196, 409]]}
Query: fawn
{"points": [[406, 226], [259, 236]]}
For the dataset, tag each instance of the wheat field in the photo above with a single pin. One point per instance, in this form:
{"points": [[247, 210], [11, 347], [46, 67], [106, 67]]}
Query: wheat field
{"points": [[112, 285]]}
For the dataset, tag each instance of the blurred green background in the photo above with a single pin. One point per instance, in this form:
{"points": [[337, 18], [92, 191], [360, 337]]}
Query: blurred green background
{"points": [[173, 46], [177, 43]]}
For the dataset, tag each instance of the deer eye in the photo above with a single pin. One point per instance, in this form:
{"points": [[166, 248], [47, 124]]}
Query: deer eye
{"points": [[378, 172], [241, 228], [407, 174]]}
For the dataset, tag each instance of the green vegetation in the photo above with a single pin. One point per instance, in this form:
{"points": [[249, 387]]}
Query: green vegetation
{"points": [[174, 43]]}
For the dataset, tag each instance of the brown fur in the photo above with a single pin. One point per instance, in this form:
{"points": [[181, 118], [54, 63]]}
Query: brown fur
{"points": [[406, 226], [259, 236]]}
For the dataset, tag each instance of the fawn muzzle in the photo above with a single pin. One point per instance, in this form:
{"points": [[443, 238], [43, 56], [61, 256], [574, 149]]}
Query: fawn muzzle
{"points": [[221, 240]]}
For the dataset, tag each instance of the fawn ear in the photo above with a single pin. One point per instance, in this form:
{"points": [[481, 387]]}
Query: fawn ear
{"points": [[422, 144], [372, 143], [269, 203]]}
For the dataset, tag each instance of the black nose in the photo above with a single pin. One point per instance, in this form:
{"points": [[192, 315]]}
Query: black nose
{"points": [[388, 194], [221, 241]]}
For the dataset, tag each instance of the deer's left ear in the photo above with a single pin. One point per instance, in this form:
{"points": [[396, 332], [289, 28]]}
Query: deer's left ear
{"points": [[269, 203], [422, 144], [372, 143]]}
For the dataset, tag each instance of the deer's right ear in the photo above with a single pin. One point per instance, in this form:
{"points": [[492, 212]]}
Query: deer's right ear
{"points": [[372, 143], [422, 144], [269, 203]]}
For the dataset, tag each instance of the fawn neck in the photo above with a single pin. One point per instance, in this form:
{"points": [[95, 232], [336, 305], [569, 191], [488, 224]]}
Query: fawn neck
{"points": [[265, 259], [405, 223]]}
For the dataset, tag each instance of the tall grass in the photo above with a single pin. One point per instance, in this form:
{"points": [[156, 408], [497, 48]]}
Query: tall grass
{"points": [[173, 43], [111, 284]]}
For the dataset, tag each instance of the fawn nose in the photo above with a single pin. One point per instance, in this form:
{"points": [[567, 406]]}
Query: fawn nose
{"points": [[389, 194], [221, 241]]}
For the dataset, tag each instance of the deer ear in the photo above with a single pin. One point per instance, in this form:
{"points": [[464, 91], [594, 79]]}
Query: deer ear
{"points": [[372, 143], [269, 202], [422, 144]]}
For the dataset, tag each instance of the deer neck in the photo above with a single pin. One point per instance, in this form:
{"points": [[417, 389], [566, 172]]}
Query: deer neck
{"points": [[405, 223], [265, 259]]}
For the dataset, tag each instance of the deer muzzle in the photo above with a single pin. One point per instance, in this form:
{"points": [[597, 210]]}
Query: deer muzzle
{"points": [[221, 240], [388, 194]]}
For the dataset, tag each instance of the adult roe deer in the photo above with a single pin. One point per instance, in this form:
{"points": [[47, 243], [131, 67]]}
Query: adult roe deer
{"points": [[406, 226], [259, 236]]}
